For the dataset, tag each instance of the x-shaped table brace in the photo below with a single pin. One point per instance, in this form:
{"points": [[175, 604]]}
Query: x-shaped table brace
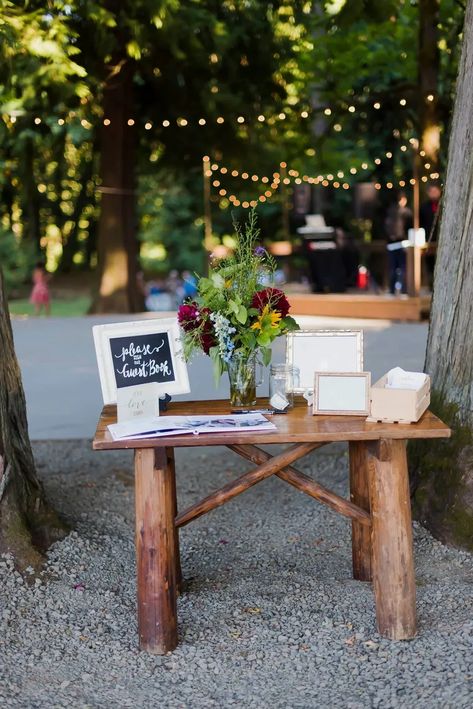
{"points": [[279, 465]]}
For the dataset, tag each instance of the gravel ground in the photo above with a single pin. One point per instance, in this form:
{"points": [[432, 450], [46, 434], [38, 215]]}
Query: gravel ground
{"points": [[270, 616]]}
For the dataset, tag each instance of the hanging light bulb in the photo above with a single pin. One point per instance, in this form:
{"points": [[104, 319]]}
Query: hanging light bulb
{"points": [[202, 121]]}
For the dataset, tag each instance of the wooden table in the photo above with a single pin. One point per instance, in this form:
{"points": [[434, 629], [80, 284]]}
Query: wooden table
{"points": [[379, 504]]}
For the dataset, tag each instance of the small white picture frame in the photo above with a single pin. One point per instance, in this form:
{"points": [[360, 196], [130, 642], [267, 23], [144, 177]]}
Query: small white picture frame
{"points": [[342, 393], [140, 353], [323, 351]]}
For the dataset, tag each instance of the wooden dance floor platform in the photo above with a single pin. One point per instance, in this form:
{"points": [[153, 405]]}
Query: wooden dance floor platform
{"points": [[354, 305]]}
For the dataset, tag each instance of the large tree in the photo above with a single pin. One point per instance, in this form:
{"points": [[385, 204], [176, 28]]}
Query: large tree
{"points": [[444, 471], [28, 525]]}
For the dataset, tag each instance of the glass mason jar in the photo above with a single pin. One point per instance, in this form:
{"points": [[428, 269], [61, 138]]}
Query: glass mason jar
{"points": [[243, 379], [282, 380]]}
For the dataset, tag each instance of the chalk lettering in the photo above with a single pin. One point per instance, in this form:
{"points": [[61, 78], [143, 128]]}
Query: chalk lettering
{"points": [[145, 370], [137, 351]]}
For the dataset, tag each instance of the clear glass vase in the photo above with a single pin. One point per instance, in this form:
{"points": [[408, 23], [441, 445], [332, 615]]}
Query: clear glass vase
{"points": [[243, 377]]}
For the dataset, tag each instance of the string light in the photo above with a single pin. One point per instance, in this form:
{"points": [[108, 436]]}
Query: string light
{"points": [[202, 121], [403, 102], [148, 126], [166, 124], [37, 121], [295, 178], [377, 105], [220, 119], [240, 119]]}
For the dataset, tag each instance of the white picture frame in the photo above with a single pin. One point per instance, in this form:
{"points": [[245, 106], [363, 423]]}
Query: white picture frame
{"points": [[323, 351], [172, 377], [341, 393]]}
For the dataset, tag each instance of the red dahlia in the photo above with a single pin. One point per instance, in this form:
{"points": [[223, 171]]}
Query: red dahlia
{"points": [[272, 296], [190, 317]]}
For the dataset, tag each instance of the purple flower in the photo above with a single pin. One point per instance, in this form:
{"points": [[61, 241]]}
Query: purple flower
{"points": [[259, 251]]}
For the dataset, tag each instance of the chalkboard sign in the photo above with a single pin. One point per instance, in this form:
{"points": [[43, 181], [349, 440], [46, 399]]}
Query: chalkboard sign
{"points": [[138, 353], [142, 359]]}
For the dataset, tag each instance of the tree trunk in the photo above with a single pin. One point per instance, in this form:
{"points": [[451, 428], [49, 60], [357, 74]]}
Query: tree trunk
{"points": [[28, 525], [82, 200], [429, 66], [31, 201], [444, 471], [117, 246]]}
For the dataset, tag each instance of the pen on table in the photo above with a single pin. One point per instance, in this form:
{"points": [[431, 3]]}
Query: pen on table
{"points": [[258, 411]]}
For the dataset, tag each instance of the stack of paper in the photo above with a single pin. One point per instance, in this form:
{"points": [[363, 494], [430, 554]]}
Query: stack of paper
{"points": [[397, 378]]}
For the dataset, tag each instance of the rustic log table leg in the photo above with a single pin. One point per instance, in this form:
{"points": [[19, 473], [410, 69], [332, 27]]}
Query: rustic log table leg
{"points": [[155, 551], [393, 563], [177, 554], [359, 495]]}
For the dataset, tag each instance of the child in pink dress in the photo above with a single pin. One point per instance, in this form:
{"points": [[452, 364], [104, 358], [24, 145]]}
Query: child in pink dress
{"points": [[40, 293]]}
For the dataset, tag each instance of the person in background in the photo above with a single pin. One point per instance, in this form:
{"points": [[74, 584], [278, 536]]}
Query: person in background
{"points": [[398, 222], [40, 296], [189, 285], [429, 220], [174, 287]]}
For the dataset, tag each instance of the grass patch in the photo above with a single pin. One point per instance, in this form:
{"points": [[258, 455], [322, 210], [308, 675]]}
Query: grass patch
{"points": [[60, 307]]}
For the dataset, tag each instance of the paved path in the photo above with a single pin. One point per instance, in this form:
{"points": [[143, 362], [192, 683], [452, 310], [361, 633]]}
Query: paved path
{"points": [[60, 378]]}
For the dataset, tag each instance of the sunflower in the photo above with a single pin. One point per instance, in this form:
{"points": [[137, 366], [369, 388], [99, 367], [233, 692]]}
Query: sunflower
{"points": [[267, 317]]}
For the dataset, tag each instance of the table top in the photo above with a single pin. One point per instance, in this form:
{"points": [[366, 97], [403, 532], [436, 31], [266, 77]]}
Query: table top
{"points": [[297, 426]]}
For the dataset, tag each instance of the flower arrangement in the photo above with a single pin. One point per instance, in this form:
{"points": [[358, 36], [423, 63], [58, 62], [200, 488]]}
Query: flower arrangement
{"points": [[235, 317]]}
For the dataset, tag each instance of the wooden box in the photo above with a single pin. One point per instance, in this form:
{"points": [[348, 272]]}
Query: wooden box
{"points": [[398, 405]]}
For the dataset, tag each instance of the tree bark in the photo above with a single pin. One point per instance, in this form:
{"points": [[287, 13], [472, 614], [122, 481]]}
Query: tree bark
{"points": [[429, 67], [443, 478], [28, 525], [117, 245]]}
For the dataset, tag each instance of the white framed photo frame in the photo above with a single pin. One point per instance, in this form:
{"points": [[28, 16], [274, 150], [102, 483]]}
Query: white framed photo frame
{"points": [[323, 351], [342, 393], [138, 353]]}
